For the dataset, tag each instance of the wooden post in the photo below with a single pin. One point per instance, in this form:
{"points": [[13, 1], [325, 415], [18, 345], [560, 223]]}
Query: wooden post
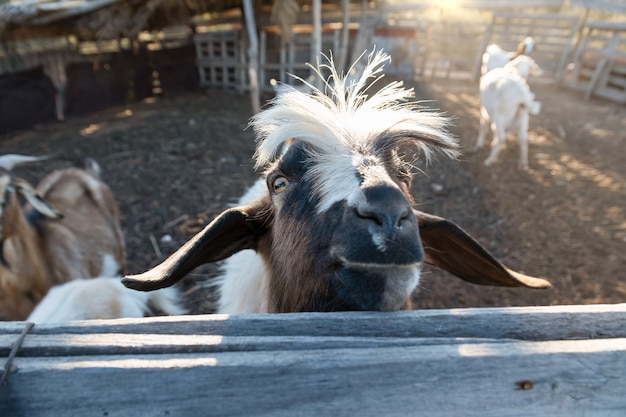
{"points": [[478, 62], [359, 44], [345, 31], [316, 44], [54, 68], [263, 59], [253, 56]]}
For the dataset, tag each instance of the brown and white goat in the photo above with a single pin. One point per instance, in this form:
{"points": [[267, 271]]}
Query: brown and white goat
{"points": [[333, 227], [67, 228]]}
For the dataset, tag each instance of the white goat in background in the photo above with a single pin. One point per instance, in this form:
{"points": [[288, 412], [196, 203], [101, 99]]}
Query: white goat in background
{"points": [[506, 104], [102, 298], [524, 66], [331, 221], [495, 57], [67, 228]]}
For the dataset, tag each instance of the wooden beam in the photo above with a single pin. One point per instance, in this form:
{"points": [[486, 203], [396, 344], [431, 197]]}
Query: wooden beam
{"points": [[607, 5], [316, 42], [548, 361], [72, 10], [345, 32], [520, 323], [253, 56]]}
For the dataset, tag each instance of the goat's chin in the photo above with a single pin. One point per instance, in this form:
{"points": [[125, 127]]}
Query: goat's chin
{"points": [[375, 287]]}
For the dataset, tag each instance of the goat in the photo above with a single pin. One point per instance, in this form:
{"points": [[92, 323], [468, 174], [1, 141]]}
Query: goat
{"points": [[331, 220], [68, 228], [506, 104], [101, 298], [496, 57], [524, 66]]}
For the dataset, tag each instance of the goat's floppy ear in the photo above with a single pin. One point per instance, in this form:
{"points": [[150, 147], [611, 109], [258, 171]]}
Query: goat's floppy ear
{"points": [[234, 230], [25, 190], [449, 247]]}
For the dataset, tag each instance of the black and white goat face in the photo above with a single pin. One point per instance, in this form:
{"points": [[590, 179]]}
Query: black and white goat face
{"points": [[355, 244], [335, 227]]}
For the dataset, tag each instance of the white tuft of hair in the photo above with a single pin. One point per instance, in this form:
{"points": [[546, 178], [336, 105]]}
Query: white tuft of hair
{"points": [[347, 115], [102, 298]]}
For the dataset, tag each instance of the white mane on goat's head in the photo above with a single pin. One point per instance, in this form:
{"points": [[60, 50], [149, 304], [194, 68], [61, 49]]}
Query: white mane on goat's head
{"points": [[344, 118], [347, 123]]}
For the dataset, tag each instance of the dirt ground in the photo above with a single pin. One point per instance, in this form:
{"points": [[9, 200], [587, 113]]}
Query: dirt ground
{"points": [[175, 162]]}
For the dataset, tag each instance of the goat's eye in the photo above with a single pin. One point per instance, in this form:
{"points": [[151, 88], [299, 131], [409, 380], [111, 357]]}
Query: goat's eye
{"points": [[280, 184]]}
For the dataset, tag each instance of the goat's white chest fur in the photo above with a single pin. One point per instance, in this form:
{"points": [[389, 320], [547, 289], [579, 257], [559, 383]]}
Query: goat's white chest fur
{"points": [[243, 281]]}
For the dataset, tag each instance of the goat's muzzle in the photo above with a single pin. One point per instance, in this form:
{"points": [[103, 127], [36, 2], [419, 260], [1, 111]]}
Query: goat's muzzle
{"points": [[379, 229], [377, 251]]}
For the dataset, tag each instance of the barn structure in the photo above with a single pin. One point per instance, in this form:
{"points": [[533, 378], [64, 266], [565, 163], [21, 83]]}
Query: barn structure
{"points": [[133, 49], [73, 56]]}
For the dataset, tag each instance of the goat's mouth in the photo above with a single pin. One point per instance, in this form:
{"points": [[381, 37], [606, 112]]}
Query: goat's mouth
{"points": [[375, 286], [377, 266]]}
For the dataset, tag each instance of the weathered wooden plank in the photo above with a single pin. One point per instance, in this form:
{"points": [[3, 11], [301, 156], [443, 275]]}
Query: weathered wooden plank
{"points": [[538, 27], [606, 25], [412, 5], [608, 5], [611, 94], [524, 323], [145, 344], [432, 362], [11, 327], [533, 16], [553, 378]]}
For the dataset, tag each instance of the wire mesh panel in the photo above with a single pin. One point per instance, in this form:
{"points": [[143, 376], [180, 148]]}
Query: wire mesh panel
{"points": [[221, 60]]}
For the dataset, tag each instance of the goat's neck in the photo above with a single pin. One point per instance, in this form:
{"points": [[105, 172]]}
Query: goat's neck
{"points": [[290, 264]]}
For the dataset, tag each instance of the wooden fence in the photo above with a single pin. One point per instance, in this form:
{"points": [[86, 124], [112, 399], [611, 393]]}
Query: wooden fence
{"points": [[221, 60], [599, 62], [530, 361], [553, 35], [427, 47], [278, 60]]}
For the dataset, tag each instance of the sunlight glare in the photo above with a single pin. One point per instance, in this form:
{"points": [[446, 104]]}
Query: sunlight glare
{"points": [[449, 4], [135, 363], [568, 168], [543, 347], [588, 172], [124, 114], [90, 129]]}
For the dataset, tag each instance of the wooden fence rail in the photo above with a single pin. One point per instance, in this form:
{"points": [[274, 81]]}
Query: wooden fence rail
{"points": [[529, 361], [599, 62], [552, 33]]}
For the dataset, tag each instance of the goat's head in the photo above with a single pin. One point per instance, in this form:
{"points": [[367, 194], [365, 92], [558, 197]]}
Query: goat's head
{"points": [[526, 46], [336, 226], [525, 66]]}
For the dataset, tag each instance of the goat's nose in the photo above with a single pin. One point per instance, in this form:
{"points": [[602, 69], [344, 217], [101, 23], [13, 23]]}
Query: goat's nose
{"points": [[387, 209]]}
